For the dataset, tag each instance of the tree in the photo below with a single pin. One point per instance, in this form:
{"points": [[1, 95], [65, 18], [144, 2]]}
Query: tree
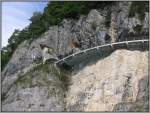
{"points": [[53, 14], [37, 26], [14, 40]]}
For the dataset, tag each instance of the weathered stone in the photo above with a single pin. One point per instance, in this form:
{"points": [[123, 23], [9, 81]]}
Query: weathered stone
{"points": [[103, 86], [110, 81]]}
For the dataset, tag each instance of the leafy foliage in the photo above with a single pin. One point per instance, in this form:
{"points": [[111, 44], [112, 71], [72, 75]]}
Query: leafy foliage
{"points": [[138, 28], [94, 25], [139, 8], [37, 26], [5, 56], [53, 14], [40, 73], [56, 11]]}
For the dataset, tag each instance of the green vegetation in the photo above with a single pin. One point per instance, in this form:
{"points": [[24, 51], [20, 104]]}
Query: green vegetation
{"points": [[38, 76], [53, 14], [132, 106], [139, 108], [5, 56], [40, 72], [138, 28], [94, 25], [43, 67], [139, 8]]}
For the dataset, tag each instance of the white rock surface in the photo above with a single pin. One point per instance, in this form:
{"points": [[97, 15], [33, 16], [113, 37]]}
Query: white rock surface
{"points": [[100, 86], [118, 78]]}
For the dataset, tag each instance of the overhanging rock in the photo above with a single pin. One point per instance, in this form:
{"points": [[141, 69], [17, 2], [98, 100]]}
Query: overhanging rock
{"points": [[102, 51]]}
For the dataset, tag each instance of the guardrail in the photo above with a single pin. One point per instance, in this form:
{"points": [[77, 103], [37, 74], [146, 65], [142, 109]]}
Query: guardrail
{"points": [[134, 44]]}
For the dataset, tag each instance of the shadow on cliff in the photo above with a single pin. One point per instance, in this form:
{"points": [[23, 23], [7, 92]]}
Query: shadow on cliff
{"points": [[92, 59]]}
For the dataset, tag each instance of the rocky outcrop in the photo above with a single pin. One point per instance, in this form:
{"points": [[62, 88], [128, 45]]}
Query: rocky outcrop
{"points": [[75, 35], [118, 82], [141, 103], [119, 78], [99, 83], [40, 89]]}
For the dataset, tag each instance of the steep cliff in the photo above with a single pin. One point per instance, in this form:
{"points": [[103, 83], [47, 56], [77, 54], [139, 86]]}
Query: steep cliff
{"points": [[113, 83], [117, 82], [75, 35]]}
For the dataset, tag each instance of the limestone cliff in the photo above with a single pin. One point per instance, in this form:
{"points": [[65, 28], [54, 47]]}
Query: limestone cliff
{"points": [[74, 35], [110, 82], [118, 82]]}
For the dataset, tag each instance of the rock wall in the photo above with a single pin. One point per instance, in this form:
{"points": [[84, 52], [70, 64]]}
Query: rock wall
{"points": [[75, 35], [71, 36], [40, 89], [118, 82], [121, 77]]}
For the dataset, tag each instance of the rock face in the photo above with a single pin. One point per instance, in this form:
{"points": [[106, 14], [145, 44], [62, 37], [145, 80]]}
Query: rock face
{"points": [[106, 84], [37, 90], [116, 79], [75, 35], [118, 82]]}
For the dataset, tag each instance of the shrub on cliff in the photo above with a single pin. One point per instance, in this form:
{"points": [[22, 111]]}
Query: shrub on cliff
{"points": [[53, 14], [139, 8]]}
